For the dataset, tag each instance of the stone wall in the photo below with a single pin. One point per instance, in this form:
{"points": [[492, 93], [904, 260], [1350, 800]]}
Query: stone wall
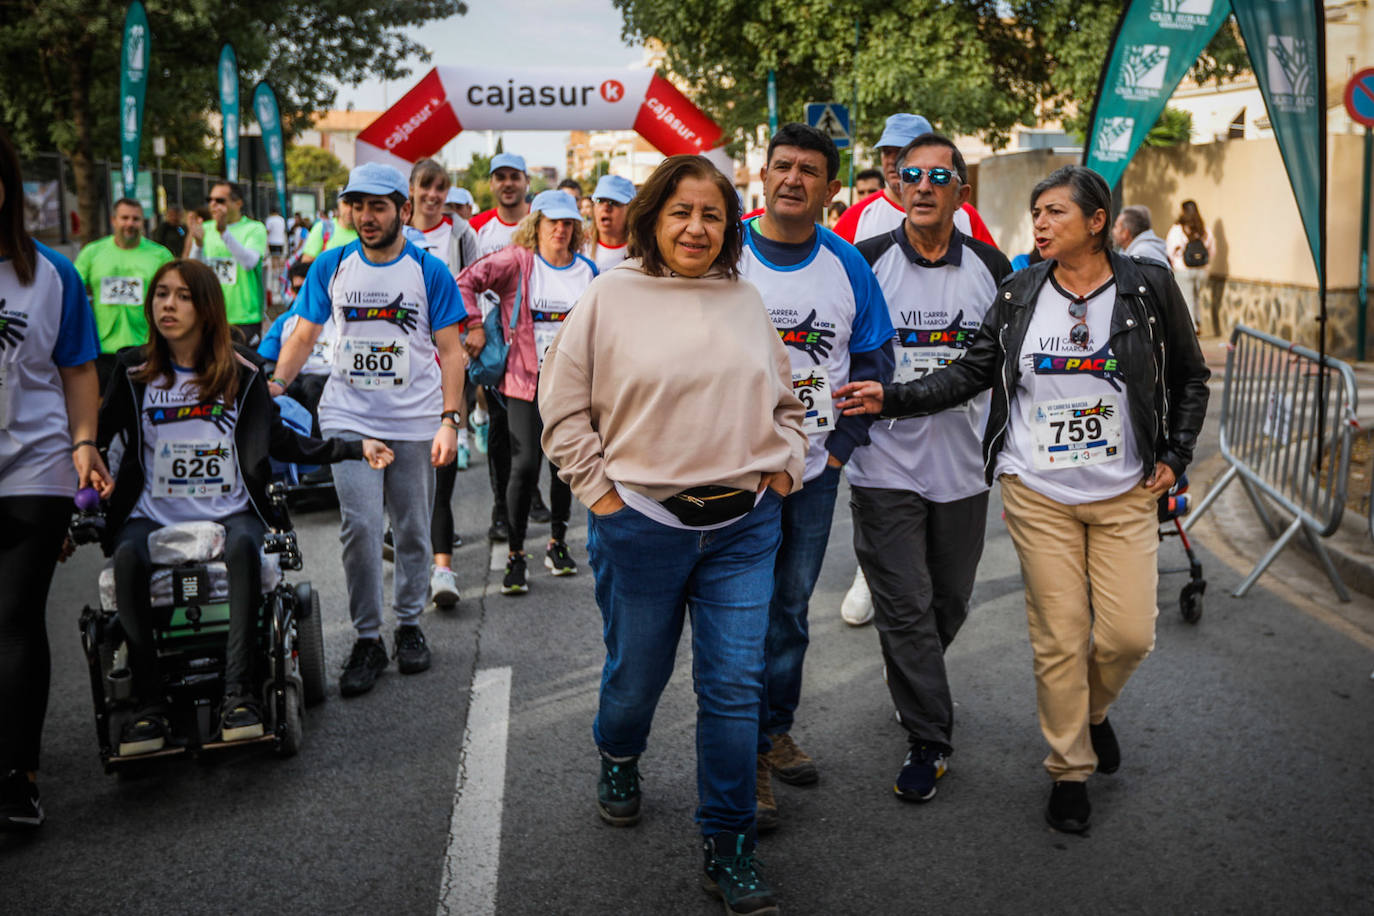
{"points": [[1282, 309]]}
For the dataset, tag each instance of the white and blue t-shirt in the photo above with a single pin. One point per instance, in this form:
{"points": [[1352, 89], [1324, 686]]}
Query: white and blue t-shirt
{"points": [[825, 306], [386, 381], [190, 462], [553, 293], [937, 308], [44, 326]]}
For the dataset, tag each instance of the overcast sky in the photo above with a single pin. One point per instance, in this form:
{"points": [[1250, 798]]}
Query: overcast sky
{"points": [[570, 33]]}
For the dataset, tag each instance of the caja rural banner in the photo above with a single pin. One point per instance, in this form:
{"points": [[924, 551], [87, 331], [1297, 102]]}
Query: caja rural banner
{"points": [[133, 84], [229, 109], [449, 100], [269, 119], [1155, 45]]}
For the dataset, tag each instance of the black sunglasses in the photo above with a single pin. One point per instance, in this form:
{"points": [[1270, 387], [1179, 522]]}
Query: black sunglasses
{"points": [[1079, 335], [219, 200], [938, 176]]}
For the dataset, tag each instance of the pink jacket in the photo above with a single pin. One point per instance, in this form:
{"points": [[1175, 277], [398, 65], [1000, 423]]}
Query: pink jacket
{"points": [[507, 273]]}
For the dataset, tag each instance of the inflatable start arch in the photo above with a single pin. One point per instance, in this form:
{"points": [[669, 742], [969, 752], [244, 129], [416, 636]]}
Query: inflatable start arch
{"points": [[450, 99]]}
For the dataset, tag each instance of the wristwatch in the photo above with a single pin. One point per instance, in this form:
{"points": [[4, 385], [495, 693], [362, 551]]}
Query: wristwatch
{"points": [[453, 415]]}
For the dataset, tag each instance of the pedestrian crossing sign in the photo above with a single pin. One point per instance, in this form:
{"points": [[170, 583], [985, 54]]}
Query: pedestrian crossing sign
{"points": [[831, 119]]}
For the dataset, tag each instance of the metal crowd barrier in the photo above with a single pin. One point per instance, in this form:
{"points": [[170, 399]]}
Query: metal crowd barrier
{"points": [[1269, 410]]}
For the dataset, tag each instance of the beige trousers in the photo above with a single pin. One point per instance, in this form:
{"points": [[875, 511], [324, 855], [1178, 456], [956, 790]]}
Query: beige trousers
{"points": [[1090, 573]]}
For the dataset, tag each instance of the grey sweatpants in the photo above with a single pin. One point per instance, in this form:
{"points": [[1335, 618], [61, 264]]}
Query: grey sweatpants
{"points": [[404, 492], [920, 558]]}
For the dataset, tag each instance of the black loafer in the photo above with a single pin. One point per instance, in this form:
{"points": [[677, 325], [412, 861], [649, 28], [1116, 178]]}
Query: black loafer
{"points": [[1068, 809], [1105, 747]]}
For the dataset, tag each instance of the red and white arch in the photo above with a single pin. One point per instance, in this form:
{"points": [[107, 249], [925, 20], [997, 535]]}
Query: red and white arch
{"points": [[450, 99]]}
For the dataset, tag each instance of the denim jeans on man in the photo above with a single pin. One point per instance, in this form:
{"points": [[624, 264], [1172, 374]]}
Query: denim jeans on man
{"points": [[647, 576], [806, 517]]}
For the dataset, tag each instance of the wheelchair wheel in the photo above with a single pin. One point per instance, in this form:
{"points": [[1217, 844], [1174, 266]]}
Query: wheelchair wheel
{"points": [[293, 734], [310, 646], [1190, 601]]}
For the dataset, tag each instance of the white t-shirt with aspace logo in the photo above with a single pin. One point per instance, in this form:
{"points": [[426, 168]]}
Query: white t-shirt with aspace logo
{"points": [[386, 381], [1069, 430], [553, 293]]}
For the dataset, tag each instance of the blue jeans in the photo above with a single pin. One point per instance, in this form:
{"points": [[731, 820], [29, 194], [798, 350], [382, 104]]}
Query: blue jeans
{"points": [[647, 577], [806, 517]]}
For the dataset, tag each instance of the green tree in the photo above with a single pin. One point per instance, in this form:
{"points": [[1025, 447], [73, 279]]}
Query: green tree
{"points": [[312, 165], [477, 179], [970, 66], [60, 82], [1174, 128]]}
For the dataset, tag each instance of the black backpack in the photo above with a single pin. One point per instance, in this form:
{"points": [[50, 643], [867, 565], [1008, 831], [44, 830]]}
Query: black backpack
{"points": [[1195, 253]]}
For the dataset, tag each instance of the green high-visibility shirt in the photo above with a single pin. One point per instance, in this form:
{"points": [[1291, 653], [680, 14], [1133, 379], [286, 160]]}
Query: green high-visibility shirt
{"points": [[315, 243], [117, 280], [243, 293]]}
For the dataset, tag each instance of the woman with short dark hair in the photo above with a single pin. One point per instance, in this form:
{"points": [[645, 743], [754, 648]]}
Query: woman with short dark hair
{"points": [[668, 405], [1099, 392]]}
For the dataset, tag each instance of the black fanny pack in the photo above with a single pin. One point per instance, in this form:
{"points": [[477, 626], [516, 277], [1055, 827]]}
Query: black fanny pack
{"points": [[702, 506]]}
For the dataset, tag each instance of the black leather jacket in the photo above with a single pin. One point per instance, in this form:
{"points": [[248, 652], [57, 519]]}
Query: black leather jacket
{"points": [[1151, 335]]}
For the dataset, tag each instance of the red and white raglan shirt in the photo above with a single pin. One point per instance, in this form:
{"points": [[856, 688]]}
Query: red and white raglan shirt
{"points": [[493, 233], [877, 214]]}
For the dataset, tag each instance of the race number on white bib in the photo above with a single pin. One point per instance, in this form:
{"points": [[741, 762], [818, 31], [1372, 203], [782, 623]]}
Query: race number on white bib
{"points": [[812, 388], [1076, 432], [917, 362], [187, 469], [374, 362], [226, 270], [121, 290]]}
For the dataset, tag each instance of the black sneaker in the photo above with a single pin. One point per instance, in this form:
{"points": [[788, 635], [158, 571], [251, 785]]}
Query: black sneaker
{"points": [[924, 764], [558, 560], [19, 807], [732, 874], [539, 513], [388, 546], [366, 661], [1068, 809], [1105, 747], [499, 531], [410, 650], [617, 792], [144, 733], [241, 719], [515, 582]]}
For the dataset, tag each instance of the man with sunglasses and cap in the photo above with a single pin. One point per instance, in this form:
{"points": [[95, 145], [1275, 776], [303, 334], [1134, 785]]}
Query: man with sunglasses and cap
{"points": [[607, 243], [235, 247], [876, 215], [917, 491]]}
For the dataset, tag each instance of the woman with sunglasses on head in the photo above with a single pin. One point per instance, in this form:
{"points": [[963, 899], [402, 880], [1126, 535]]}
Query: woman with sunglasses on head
{"points": [[48, 401], [196, 425], [1099, 392]]}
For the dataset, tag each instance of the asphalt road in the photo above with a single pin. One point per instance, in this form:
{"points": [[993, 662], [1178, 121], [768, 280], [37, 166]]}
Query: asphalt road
{"points": [[1246, 783]]}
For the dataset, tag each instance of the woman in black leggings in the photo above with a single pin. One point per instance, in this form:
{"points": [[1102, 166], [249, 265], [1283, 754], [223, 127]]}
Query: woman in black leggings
{"points": [[48, 402]]}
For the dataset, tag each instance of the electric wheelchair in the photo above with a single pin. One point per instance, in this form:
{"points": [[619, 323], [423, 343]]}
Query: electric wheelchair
{"points": [[190, 601]]}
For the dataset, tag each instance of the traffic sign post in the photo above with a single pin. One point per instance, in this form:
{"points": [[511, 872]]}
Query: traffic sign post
{"points": [[831, 119], [1359, 104]]}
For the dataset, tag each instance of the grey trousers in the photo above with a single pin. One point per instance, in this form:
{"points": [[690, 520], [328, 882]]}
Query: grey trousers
{"points": [[920, 558], [403, 492]]}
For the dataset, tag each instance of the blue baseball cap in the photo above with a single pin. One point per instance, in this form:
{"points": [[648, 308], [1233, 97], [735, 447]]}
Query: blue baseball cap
{"points": [[459, 196], [613, 187], [902, 128], [507, 161], [555, 204], [376, 178]]}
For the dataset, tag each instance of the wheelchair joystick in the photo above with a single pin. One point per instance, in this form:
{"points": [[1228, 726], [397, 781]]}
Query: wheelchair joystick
{"points": [[89, 525]]}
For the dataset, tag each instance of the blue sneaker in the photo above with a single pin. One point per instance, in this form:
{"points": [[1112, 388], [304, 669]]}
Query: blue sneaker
{"points": [[732, 874], [464, 457], [479, 435], [924, 764]]}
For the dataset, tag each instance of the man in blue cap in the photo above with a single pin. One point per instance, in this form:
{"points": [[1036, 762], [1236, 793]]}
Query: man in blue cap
{"points": [[879, 214], [608, 239], [395, 308], [459, 203]]}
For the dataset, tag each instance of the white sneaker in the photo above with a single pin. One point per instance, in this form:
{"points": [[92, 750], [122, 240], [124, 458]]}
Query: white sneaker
{"points": [[857, 607], [443, 588]]}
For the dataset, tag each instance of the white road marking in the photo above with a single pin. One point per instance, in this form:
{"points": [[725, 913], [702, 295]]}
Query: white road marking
{"points": [[473, 861], [499, 553]]}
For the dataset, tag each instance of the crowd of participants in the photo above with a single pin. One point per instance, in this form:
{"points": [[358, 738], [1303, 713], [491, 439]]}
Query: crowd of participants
{"points": [[596, 336]]}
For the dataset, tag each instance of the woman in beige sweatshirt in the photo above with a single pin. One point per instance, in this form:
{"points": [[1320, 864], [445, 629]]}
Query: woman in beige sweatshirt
{"points": [[667, 404]]}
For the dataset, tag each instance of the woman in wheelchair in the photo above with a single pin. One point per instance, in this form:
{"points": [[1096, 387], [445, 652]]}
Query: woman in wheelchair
{"points": [[191, 417]]}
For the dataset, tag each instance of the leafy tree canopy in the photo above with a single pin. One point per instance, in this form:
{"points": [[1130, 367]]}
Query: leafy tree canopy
{"points": [[970, 66], [312, 165]]}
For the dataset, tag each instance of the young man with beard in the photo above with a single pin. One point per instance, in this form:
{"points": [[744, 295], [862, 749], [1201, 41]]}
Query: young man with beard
{"points": [[395, 308]]}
